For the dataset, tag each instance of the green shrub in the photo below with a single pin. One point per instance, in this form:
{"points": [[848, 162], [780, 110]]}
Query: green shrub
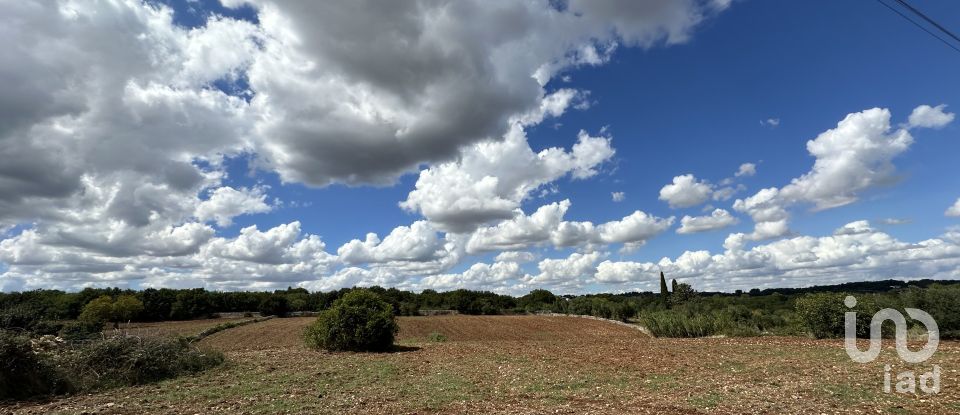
{"points": [[358, 321], [941, 302], [44, 327], [19, 318], [823, 314], [24, 373], [274, 305], [124, 360], [437, 337], [80, 330]]}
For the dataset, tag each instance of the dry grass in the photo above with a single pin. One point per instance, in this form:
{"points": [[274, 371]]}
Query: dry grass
{"points": [[523, 365]]}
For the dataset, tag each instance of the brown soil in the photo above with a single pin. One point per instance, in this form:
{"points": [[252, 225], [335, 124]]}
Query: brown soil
{"points": [[526, 365], [181, 328]]}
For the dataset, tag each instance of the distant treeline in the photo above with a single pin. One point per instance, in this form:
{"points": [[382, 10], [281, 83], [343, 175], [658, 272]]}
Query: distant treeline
{"points": [[183, 304]]}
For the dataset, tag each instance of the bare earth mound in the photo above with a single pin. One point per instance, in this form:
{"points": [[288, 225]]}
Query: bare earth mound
{"points": [[523, 365]]}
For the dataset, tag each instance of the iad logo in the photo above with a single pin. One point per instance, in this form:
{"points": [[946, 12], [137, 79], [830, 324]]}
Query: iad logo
{"points": [[929, 382]]}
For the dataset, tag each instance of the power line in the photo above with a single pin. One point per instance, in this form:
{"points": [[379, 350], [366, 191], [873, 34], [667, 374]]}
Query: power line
{"points": [[907, 18], [929, 20]]}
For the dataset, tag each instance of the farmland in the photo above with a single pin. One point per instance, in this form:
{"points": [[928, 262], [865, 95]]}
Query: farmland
{"points": [[175, 328], [523, 364]]}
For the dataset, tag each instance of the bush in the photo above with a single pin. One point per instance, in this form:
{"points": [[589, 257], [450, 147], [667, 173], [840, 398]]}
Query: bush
{"points": [[123, 360], [823, 314], [80, 330], [48, 327], [941, 302], [24, 373], [358, 321], [18, 318], [437, 337], [274, 305]]}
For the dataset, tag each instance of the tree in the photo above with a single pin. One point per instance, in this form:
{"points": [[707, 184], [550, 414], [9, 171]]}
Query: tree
{"points": [[358, 321], [99, 309], [103, 309], [664, 293], [125, 308], [537, 300], [682, 293], [274, 305]]}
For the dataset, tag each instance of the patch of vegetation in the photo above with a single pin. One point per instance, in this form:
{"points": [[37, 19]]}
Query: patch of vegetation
{"points": [[224, 326], [437, 337], [80, 330], [47, 366], [707, 400], [755, 312], [24, 373], [823, 314], [126, 360], [107, 309], [360, 321], [275, 305]]}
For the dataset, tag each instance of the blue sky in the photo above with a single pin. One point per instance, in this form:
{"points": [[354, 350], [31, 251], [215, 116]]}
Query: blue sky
{"points": [[726, 84]]}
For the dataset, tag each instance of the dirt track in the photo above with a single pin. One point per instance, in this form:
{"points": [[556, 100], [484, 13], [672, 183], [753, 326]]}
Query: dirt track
{"points": [[526, 364]]}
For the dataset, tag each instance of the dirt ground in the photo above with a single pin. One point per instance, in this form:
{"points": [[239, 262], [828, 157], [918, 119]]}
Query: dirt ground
{"points": [[182, 328], [527, 365]]}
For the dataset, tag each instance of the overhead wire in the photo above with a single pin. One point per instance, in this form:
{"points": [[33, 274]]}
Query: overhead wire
{"points": [[923, 16]]}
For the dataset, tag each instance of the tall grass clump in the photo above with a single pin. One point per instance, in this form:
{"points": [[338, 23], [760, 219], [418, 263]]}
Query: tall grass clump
{"points": [[679, 324]]}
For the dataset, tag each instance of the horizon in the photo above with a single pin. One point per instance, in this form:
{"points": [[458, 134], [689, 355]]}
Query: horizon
{"points": [[574, 146]]}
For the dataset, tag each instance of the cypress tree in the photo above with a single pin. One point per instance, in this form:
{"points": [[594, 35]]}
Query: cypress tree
{"points": [[674, 286], [663, 286]]}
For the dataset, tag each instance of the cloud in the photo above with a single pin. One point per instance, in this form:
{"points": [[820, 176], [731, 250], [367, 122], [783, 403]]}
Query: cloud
{"points": [[926, 116], [566, 273], [113, 158], [359, 93], [768, 212], [516, 256], [954, 210], [418, 243], [746, 170], [718, 219], [499, 276], [852, 158], [686, 191], [547, 225], [895, 221], [771, 122], [856, 251], [855, 156], [225, 203], [491, 179], [618, 196]]}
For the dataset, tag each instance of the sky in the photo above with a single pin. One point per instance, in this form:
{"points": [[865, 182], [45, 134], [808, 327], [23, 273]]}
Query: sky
{"points": [[578, 146]]}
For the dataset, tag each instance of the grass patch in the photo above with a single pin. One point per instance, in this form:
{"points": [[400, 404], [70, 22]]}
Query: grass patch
{"points": [[707, 400], [660, 382]]}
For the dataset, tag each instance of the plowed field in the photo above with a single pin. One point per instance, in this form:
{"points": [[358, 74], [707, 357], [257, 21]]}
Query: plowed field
{"points": [[527, 365]]}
